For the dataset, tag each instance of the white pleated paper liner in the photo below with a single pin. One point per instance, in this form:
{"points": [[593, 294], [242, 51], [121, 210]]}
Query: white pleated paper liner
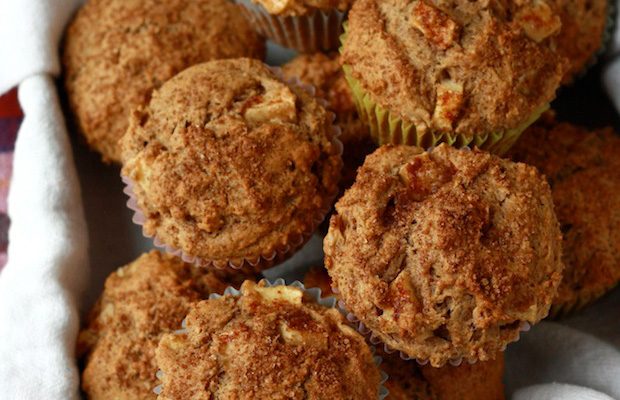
{"points": [[317, 31], [315, 295], [376, 341], [263, 261]]}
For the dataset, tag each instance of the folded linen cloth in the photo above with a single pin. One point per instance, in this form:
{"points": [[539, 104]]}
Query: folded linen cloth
{"points": [[40, 288]]}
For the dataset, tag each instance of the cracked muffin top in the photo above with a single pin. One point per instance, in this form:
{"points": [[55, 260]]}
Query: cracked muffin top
{"points": [[581, 36], [325, 74], [582, 169], [268, 343], [444, 254], [117, 51], [229, 163], [140, 302], [468, 67], [302, 7]]}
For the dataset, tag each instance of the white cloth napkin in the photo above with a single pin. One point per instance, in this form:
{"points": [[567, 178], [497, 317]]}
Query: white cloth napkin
{"points": [[40, 288]]}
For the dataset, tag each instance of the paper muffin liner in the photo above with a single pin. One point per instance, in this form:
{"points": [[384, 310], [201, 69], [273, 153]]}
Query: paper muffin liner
{"points": [[262, 261], [317, 31], [387, 127], [315, 295], [376, 340]]}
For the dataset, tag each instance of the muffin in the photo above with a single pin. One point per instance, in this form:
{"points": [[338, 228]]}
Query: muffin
{"points": [[462, 72], [410, 381], [445, 255], [584, 23], [325, 74], [140, 302], [582, 170], [267, 343], [304, 25], [116, 52], [230, 165]]}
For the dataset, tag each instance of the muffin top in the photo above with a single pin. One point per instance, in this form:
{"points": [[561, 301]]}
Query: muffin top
{"points": [[444, 254], [581, 36], [325, 74], [268, 343], [468, 67], [302, 7], [582, 169], [139, 303], [116, 51], [228, 162]]}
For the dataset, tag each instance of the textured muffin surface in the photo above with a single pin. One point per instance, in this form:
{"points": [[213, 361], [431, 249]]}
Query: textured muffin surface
{"points": [[444, 254], [229, 163], [140, 303], [459, 66], [269, 343], [325, 74], [582, 169], [116, 51]]}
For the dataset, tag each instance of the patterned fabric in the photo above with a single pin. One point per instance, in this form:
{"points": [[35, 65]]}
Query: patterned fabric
{"points": [[10, 120]]}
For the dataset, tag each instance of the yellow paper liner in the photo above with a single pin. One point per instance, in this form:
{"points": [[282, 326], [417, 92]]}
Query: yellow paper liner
{"points": [[387, 127]]}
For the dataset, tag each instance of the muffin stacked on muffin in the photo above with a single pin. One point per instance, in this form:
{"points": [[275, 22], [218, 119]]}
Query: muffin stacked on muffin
{"points": [[461, 72], [231, 165], [140, 302], [582, 170], [445, 255], [117, 51], [266, 343]]}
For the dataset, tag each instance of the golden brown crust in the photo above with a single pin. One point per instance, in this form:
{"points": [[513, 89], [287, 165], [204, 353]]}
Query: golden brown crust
{"points": [[581, 36], [140, 302], [325, 74], [265, 346], [116, 51], [582, 169], [460, 66], [444, 254], [230, 163], [302, 7]]}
